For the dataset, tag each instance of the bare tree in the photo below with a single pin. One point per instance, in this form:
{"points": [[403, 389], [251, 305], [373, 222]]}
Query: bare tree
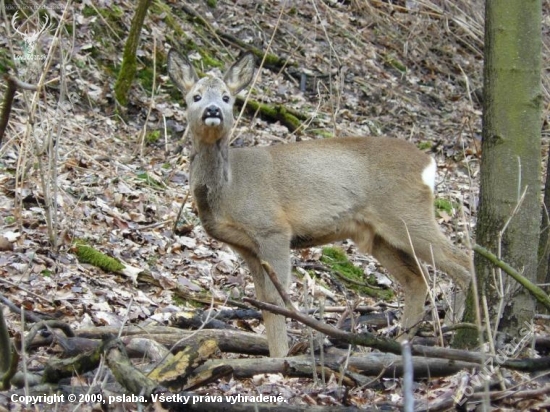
{"points": [[509, 211]]}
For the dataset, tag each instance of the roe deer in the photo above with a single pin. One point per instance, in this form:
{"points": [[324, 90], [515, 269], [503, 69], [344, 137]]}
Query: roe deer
{"points": [[263, 201]]}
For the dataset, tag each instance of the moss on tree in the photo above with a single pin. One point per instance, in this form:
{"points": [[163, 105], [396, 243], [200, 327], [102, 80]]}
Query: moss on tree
{"points": [[272, 112], [128, 68]]}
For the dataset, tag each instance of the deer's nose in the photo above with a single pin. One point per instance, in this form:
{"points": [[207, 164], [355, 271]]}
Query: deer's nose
{"points": [[212, 111], [212, 116]]}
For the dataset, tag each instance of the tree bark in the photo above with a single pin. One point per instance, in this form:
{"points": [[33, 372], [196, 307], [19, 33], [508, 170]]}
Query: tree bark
{"points": [[128, 67], [544, 242], [510, 166]]}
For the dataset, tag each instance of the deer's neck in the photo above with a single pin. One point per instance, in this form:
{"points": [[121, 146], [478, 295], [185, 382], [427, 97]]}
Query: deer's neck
{"points": [[210, 174]]}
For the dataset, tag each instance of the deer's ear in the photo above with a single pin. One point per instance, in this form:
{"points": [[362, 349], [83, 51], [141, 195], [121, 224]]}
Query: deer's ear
{"points": [[181, 71], [240, 74]]}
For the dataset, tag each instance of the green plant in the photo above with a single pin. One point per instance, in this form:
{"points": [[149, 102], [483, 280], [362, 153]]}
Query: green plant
{"points": [[152, 137], [150, 181]]}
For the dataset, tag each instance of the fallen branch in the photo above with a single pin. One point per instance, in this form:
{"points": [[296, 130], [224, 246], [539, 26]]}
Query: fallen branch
{"points": [[125, 373], [175, 370], [228, 340], [448, 400], [47, 325], [385, 344], [183, 292], [57, 369], [30, 316], [362, 339], [371, 364], [87, 254], [274, 113]]}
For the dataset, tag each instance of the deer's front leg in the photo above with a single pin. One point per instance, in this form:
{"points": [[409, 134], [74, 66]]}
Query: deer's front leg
{"points": [[276, 251]]}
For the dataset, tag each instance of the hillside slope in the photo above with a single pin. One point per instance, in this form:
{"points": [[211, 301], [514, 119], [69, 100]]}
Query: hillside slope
{"points": [[75, 169]]}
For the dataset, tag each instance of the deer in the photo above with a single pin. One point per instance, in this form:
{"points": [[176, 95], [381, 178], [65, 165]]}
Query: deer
{"points": [[265, 201]]}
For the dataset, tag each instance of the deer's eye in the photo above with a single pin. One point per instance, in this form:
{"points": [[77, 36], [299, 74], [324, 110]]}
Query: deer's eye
{"points": [[197, 97], [226, 99]]}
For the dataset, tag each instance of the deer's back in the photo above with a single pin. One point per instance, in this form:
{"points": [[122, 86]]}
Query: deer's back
{"points": [[320, 189]]}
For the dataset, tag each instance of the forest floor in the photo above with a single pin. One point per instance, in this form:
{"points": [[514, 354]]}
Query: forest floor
{"points": [[75, 169]]}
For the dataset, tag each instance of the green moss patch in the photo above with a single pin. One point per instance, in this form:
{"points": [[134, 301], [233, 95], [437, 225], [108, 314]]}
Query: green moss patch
{"points": [[444, 205], [338, 262], [89, 255]]}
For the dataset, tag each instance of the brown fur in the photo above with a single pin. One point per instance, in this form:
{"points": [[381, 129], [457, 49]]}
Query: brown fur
{"points": [[263, 201]]}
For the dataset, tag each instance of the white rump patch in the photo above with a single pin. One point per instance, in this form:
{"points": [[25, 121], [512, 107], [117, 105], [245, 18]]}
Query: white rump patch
{"points": [[212, 121], [428, 175]]}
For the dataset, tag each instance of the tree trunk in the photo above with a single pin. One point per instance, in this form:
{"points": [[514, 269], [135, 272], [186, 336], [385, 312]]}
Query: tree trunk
{"points": [[544, 243], [511, 162], [128, 67]]}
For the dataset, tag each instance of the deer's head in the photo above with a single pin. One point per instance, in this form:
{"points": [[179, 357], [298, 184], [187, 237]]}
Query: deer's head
{"points": [[210, 99]]}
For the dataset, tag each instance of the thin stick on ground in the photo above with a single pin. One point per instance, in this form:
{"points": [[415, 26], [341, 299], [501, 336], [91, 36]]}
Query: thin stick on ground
{"points": [[408, 391]]}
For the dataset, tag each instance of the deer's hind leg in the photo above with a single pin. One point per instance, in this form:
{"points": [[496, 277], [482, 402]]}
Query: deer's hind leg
{"points": [[418, 233], [404, 268], [431, 246]]}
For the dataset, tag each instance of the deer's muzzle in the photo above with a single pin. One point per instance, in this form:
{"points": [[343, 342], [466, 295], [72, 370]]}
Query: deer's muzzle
{"points": [[212, 116]]}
